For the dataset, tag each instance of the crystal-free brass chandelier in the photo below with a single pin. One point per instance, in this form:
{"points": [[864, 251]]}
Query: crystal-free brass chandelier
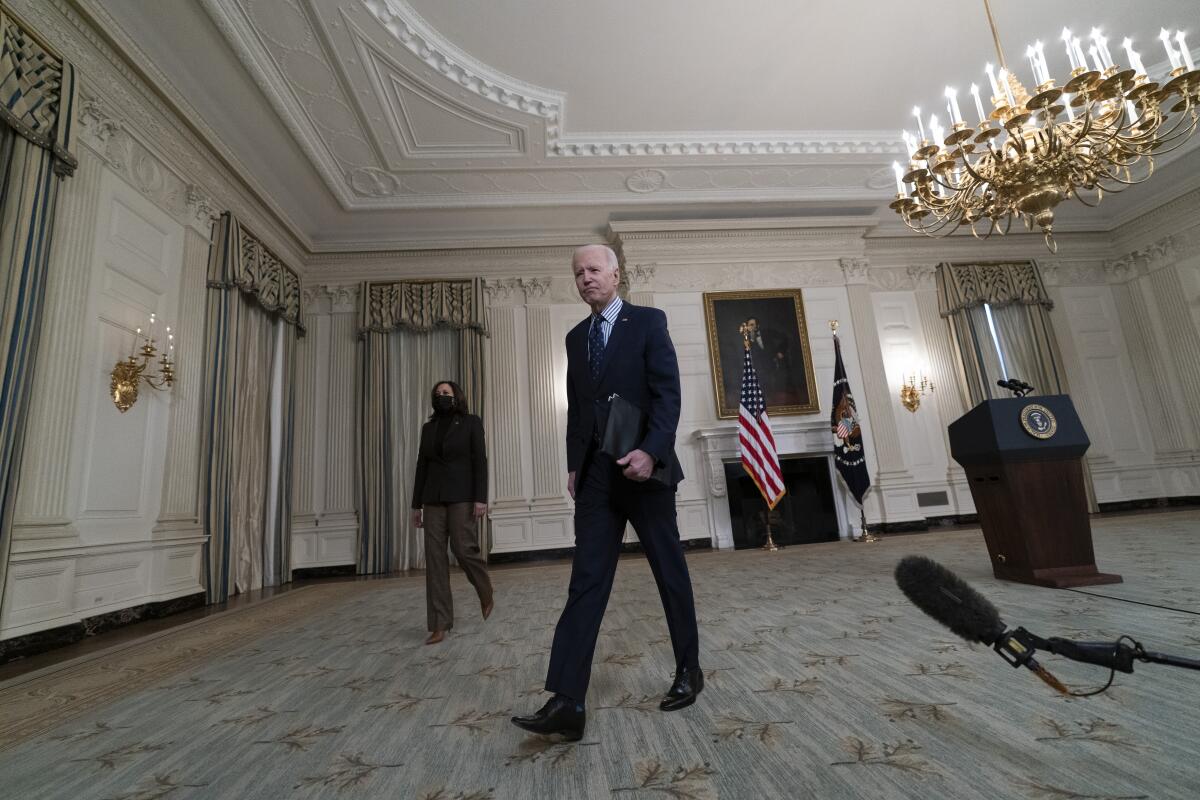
{"points": [[1099, 132]]}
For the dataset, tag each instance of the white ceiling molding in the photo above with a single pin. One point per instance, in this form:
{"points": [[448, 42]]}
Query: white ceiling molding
{"points": [[421, 144], [403, 22], [235, 24], [152, 114], [427, 123]]}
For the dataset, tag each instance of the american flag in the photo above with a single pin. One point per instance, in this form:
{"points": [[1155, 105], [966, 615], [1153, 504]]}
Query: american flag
{"points": [[755, 439]]}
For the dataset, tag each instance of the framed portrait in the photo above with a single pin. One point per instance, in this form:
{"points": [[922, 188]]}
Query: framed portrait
{"points": [[778, 348]]}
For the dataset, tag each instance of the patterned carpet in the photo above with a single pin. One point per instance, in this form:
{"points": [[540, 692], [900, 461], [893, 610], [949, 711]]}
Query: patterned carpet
{"points": [[822, 681]]}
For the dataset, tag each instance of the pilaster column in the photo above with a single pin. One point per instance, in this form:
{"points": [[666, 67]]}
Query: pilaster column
{"points": [[1169, 429], [1181, 338], [44, 500], [939, 348], [340, 427], [181, 479], [504, 399], [885, 439], [549, 473], [308, 406]]}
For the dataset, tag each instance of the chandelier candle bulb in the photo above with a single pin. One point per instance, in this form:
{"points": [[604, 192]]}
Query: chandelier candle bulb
{"points": [[1135, 60], [1102, 48], [1176, 61], [1037, 57], [1006, 85], [996, 93], [978, 102], [939, 133], [952, 106], [1095, 54], [899, 179], [920, 125], [1066, 37], [911, 144], [1079, 56], [1184, 51]]}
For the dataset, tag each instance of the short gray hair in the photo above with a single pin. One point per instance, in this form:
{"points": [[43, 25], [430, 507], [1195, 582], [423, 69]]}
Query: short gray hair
{"points": [[610, 254]]}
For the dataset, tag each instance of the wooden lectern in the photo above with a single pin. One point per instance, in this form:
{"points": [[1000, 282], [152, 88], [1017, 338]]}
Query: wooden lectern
{"points": [[1023, 458]]}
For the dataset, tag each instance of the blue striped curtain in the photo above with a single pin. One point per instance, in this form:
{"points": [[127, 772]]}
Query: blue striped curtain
{"points": [[37, 101], [246, 284]]}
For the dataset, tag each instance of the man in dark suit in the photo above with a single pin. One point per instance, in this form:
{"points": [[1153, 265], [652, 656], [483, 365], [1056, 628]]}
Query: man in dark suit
{"points": [[625, 350]]}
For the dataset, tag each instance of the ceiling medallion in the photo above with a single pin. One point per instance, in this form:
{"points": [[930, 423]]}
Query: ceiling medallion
{"points": [[1024, 158]]}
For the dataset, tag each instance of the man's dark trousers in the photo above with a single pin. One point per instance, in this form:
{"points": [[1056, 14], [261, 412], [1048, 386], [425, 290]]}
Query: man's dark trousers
{"points": [[603, 503]]}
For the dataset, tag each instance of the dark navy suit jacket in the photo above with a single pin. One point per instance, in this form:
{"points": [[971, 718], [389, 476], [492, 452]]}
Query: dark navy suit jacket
{"points": [[640, 365]]}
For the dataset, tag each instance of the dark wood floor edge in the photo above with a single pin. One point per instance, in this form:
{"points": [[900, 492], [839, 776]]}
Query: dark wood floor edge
{"points": [[30, 644], [71, 662], [1181, 501]]}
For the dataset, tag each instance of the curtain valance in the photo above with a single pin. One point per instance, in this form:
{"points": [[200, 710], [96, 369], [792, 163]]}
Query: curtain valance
{"points": [[240, 259], [37, 93], [422, 306], [998, 284]]}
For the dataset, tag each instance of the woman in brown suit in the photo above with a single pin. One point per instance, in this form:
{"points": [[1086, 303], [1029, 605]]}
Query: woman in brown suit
{"points": [[449, 496]]}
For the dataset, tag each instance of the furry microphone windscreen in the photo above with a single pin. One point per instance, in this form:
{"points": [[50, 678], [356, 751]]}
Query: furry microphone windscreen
{"points": [[947, 598]]}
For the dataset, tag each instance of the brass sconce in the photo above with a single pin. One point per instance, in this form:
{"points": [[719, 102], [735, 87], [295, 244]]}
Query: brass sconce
{"points": [[912, 390], [128, 373]]}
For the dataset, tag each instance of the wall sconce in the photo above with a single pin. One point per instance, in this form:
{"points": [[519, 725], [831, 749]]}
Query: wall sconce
{"points": [[912, 390], [128, 373]]}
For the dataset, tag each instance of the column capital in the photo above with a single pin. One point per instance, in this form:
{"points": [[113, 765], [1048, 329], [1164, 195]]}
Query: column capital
{"points": [[856, 269]]}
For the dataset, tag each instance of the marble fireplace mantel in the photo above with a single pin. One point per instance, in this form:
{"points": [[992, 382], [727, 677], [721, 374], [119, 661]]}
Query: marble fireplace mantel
{"points": [[805, 437]]}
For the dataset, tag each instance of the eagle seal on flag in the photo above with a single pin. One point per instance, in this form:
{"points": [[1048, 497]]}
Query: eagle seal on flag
{"points": [[848, 455]]}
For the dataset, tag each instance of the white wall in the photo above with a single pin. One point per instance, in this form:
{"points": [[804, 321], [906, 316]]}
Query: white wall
{"points": [[107, 512], [104, 520]]}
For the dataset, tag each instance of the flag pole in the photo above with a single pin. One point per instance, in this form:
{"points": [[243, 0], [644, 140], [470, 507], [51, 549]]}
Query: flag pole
{"points": [[769, 545], [865, 536]]}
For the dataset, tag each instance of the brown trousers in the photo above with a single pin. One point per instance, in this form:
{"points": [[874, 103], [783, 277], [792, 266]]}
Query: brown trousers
{"points": [[453, 521]]}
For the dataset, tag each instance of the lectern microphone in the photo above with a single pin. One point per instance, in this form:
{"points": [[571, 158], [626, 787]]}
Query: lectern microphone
{"points": [[1015, 385], [948, 599]]}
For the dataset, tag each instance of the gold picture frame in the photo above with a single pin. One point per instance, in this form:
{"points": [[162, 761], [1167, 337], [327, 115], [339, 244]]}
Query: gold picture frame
{"points": [[786, 376]]}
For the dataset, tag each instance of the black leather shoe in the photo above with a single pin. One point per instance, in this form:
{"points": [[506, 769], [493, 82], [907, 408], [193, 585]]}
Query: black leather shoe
{"points": [[559, 716], [688, 683]]}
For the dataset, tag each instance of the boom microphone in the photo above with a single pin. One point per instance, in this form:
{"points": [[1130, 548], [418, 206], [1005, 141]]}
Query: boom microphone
{"points": [[948, 599]]}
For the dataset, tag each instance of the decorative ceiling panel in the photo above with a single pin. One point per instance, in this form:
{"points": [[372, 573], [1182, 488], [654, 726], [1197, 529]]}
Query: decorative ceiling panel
{"points": [[393, 115]]}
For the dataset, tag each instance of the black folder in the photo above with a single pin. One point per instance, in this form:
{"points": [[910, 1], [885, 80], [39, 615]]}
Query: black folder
{"points": [[625, 430]]}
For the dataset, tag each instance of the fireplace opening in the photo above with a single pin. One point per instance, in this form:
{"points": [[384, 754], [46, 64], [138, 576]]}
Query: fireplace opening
{"points": [[805, 514]]}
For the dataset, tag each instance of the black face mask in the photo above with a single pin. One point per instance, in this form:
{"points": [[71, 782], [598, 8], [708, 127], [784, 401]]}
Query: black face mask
{"points": [[443, 403]]}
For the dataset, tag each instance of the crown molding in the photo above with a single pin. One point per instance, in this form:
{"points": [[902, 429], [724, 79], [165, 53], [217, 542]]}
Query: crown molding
{"points": [[138, 95], [642, 229], [727, 143], [461, 68]]}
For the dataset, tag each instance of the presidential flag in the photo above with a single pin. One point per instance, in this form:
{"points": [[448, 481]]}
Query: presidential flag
{"points": [[755, 439], [848, 445]]}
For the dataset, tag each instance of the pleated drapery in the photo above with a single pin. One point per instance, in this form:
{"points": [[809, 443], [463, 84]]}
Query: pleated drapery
{"points": [[412, 334], [1020, 308], [249, 392], [37, 107]]}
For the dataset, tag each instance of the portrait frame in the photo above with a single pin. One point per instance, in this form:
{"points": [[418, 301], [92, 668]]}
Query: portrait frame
{"points": [[786, 377]]}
